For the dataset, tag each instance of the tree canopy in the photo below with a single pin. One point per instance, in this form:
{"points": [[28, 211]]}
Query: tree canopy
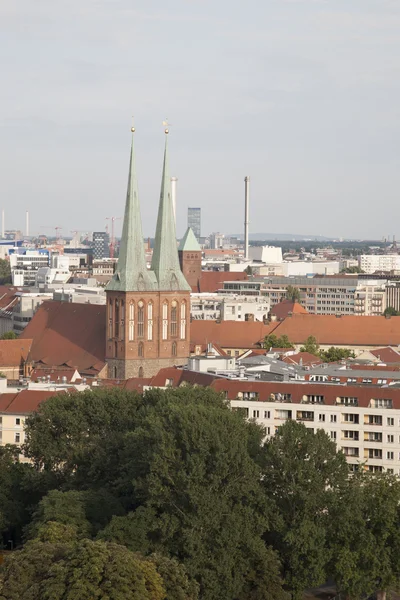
{"points": [[293, 293], [273, 341], [390, 312]]}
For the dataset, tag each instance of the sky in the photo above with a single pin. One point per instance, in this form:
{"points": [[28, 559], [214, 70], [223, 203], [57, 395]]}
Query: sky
{"points": [[301, 95]]}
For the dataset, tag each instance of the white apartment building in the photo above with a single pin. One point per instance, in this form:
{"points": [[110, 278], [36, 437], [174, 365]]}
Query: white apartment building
{"points": [[266, 254], [228, 308], [25, 264], [368, 436], [370, 263]]}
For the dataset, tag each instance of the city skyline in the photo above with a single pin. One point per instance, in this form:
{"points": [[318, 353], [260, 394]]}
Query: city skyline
{"points": [[302, 95]]}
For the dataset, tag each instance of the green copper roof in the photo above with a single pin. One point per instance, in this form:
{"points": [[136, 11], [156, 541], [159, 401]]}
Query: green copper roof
{"points": [[132, 274], [165, 263], [189, 242]]}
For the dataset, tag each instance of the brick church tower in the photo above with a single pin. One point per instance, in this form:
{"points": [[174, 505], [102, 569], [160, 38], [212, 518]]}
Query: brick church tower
{"points": [[190, 259], [148, 311]]}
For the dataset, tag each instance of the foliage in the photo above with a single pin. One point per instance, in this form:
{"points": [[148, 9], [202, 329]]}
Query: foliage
{"points": [[273, 341], [365, 535], [9, 335], [336, 354], [293, 293], [78, 571], [302, 474], [352, 270], [311, 345], [5, 271], [390, 312]]}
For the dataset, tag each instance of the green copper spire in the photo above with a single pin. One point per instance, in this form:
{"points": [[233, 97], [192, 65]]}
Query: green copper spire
{"points": [[189, 242], [165, 263], [132, 274]]}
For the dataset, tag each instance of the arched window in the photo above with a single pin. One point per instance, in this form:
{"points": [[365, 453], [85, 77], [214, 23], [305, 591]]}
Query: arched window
{"points": [[115, 349], [140, 324], [116, 318], [115, 372], [174, 319], [183, 320], [122, 320], [110, 319], [141, 372], [141, 349], [174, 349], [165, 321], [131, 321], [150, 321]]}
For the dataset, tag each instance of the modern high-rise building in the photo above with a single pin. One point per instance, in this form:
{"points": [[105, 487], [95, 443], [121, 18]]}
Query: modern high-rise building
{"points": [[148, 310], [194, 221], [101, 242]]}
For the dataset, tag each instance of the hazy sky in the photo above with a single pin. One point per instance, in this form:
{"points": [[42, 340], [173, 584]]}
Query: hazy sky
{"points": [[302, 95]]}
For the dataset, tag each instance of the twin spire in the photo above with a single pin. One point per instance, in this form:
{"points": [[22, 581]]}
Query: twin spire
{"points": [[131, 274]]}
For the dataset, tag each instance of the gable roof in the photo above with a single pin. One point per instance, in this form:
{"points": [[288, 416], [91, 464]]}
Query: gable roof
{"points": [[286, 307], [303, 358], [230, 334], [25, 401], [346, 330], [386, 355], [68, 335], [14, 352]]}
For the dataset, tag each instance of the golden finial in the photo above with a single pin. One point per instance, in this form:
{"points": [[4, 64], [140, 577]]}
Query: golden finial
{"points": [[166, 125], [133, 126]]}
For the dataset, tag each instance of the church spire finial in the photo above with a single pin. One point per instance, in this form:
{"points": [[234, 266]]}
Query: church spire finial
{"points": [[132, 273], [165, 262]]}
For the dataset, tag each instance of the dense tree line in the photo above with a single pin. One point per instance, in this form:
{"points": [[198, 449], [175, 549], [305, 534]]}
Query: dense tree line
{"points": [[173, 496]]}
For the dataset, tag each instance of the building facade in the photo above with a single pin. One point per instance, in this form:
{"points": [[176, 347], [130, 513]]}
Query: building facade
{"points": [[101, 243], [370, 263], [148, 311], [194, 221], [190, 258]]}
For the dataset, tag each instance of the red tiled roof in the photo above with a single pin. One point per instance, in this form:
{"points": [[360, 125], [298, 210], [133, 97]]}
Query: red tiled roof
{"points": [[54, 373], [7, 296], [386, 355], [305, 358], [212, 281], [284, 308], [14, 352], [68, 334], [230, 334], [341, 331], [26, 401]]}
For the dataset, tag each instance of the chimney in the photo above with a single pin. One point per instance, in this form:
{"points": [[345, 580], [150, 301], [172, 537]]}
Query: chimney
{"points": [[246, 215]]}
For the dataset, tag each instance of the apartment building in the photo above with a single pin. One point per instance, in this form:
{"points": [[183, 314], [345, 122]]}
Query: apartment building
{"points": [[320, 295], [25, 264], [370, 263], [229, 308]]}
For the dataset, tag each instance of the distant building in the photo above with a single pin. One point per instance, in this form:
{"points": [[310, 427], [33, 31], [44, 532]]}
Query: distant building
{"points": [[190, 258], [101, 242], [25, 264], [194, 221], [266, 254], [370, 263], [216, 240]]}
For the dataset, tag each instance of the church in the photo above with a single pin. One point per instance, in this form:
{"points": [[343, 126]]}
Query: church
{"points": [[148, 311]]}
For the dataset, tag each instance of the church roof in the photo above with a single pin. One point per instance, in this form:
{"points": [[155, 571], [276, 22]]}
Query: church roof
{"points": [[189, 242], [165, 262], [131, 274]]}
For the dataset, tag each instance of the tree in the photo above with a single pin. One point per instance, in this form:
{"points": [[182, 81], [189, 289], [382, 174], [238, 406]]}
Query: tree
{"points": [[311, 346], [302, 474], [78, 571], [365, 536], [9, 335], [390, 312], [248, 270], [272, 341], [293, 293], [5, 271], [336, 354], [352, 270]]}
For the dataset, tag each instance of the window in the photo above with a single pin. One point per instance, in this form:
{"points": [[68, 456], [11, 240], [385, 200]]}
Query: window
{"points": [[140, 324], [351, 435], [350, 418], [115, 372], [174, 349], [390, 471], [116, 319], [18, 421], [390, 455], [1, 420], [333, 435], [115, 349], [141, 349], [174, 319], [150, 321], [373, 419], [183, 320], [110, 321], [321, 418], [333, 418], [17, 438], [268, 430], [131, 322], [390, 439], [141, 372], [390, 421], [165, 321], [267, 414], [256, 414]]}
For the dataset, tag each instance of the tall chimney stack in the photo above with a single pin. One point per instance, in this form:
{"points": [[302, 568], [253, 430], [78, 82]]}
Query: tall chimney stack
{"points": [[246, 215], [173, 195], [2, 224], [27, 224]]}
